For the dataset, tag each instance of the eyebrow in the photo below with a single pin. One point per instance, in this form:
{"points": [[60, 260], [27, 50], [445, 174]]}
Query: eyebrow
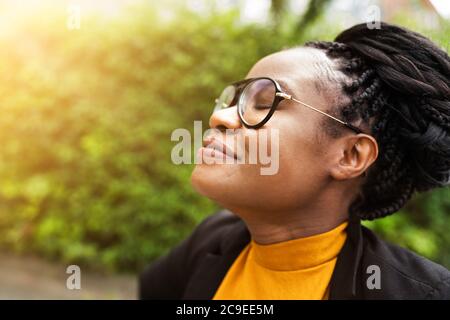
{"points": [[284, 85]]}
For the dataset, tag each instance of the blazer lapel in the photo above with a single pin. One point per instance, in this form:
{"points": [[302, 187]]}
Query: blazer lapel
{"points": [[213, 266], [347, 274]]}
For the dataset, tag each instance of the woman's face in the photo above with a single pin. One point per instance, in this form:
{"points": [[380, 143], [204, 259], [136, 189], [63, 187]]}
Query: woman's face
{"points": [[306, 154]]}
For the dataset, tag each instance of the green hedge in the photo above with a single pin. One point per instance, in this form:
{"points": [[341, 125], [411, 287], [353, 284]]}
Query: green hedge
{"points": [[86, 118]]}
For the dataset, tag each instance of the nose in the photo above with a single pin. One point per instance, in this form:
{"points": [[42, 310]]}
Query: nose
{"points": [[225, 119]]}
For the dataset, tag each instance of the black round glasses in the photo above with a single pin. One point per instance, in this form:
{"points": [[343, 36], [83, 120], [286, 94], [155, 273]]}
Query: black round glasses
{"points": [[257, 99]]}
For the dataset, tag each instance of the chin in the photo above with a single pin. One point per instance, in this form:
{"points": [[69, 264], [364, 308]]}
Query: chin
{"points": [[227, 185], [199, 181], [220, 183], [207, 180]]}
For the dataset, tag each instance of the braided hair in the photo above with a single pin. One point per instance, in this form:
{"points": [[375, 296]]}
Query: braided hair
{"points": [[398, 83]]}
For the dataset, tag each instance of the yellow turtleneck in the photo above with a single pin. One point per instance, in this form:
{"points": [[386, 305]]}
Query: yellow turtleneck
{"points": [[294, 269]]}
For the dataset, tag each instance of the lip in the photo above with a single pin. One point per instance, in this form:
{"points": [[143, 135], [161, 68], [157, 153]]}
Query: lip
{"points": [[218, 145]]}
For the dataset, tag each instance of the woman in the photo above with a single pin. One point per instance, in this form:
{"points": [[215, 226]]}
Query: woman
{"points": [[363, 123]]}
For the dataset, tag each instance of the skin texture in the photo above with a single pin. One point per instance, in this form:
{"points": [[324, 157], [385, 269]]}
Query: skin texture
{"points": [[318, 176]]}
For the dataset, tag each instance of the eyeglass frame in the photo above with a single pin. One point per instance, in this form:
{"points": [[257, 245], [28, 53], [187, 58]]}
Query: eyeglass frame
{"points": [[280, 95]]}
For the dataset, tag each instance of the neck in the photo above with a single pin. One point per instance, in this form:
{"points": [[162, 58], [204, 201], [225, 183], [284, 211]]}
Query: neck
{"points": [[268, 227], [268, 232]]}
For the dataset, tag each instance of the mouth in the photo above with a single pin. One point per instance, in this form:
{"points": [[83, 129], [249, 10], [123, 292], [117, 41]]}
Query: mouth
{"points": [[215, 148]]}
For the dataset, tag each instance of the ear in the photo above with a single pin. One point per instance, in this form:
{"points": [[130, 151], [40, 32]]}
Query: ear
{"points": [[354, 155]]}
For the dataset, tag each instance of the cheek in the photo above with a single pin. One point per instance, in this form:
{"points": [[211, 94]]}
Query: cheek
{"points": [[299, 158], [299, 170], [297, 143], [298, 174]]}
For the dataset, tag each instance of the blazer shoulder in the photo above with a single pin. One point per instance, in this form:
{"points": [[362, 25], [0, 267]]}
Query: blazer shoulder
{"points": [[407, 269], [168, 276], [222, 219]]}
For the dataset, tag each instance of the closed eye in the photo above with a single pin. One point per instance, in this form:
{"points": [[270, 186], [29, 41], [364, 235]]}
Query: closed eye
{"points": [[262, 106]]}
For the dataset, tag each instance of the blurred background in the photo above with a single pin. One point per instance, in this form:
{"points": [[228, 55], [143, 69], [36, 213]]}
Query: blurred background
{"points": [[90, 92]]}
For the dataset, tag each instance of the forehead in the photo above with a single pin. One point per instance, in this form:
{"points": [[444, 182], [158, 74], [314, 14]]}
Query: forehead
{"points": [[294, 66]]}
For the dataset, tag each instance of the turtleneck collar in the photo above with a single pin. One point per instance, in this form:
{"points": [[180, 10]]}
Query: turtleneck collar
{"points": [[301, 253]]}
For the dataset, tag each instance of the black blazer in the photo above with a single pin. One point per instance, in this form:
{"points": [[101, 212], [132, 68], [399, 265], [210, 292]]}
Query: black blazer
{"points": [[195, 268]]}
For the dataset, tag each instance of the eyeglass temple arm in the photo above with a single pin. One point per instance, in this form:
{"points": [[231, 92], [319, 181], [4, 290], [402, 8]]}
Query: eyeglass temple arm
{"points": [[289, 97]]}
